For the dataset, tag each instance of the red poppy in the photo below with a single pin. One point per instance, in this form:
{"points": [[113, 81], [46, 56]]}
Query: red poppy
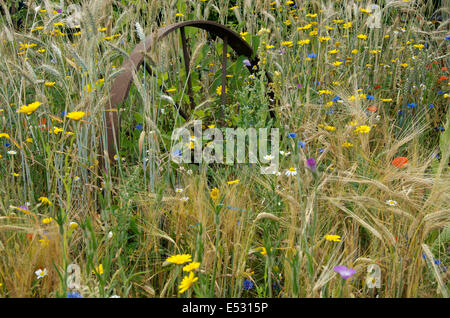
{"points": [[29, 235], [377, 87], [444, 69], [399, 162], [443, 78], [436, 62], [428, 66], [372, 108]]}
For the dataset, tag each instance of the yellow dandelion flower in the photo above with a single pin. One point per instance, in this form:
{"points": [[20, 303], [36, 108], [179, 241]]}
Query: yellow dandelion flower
{"points": [[362, 36], [190, 267], [76, 115], [187, 282], [44, 200], [347, 144], [333, 238], [47, 220], [214, 193], [179, 259], [29, 109]]}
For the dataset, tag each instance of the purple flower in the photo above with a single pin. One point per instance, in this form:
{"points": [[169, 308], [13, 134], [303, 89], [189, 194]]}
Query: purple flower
{"points": [[299, 85], [344, 271], [311, 164], [59, 10], [246, 62]]}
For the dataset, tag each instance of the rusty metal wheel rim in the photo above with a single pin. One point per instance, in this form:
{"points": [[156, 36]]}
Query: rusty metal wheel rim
{"points": [[122, 83]]}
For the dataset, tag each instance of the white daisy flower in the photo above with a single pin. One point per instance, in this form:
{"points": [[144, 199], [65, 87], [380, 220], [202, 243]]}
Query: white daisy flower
{"points": [[283, 153], [291, 172], [391, 203], [179, 189], [12, 152], [184, 199], [269, 157], [41, 273]]}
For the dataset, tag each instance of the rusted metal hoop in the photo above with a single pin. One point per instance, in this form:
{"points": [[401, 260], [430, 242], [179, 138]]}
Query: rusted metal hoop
{"points": [[122, 83]]}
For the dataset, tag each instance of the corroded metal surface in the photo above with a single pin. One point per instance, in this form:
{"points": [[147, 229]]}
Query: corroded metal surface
{"points": [[122, 83]]}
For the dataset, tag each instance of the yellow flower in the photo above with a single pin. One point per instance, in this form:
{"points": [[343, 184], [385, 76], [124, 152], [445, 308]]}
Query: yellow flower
{"points": [[29, 109], [102, 29], [187, 282], [73, 225], [29, 140], [333, 238], [76, 115], [49, 84], [190, 267], [337, 63], [347, 144], [47, 220], [325, 91], [333, 51], [323, 38], [404, 65], [99, 269], [179, 259], [45, 200], [233, 181], [311, 15], [362, 36], [214, 193], [57, 130], [330, 128], [264, 251], [364, 10], [44, 242], [287, 43], [219, 90], [386, 99], [58, 24], [303, 42], [364, 129], [4, 135]]}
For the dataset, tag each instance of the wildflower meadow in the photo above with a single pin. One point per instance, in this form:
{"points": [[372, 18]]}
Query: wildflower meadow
{"points": [[350, 198]]}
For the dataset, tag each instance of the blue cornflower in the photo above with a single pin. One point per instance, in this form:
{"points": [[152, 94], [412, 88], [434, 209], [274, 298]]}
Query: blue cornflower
{"points": [[74, 295], [430, 106], [400, 113], [301, 144], [447, 37], [312, 55], [63, 114], [437, 262], [246, 62], [369, 97], [412, 105], [7, 145], [440, 92], [336, 98], [139, 127], [321, 150], [329, 111], [248, 284], [292, 135]]}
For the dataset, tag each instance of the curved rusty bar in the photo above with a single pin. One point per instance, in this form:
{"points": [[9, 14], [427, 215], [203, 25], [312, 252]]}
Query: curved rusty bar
{"points": [[122, 83]]}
